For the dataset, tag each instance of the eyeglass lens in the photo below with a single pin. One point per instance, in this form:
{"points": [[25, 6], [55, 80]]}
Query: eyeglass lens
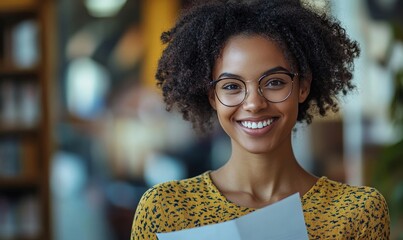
{"points": [[274, 87]]}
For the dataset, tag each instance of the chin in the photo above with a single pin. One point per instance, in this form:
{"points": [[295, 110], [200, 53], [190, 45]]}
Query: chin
{"points": [[256, 149]]}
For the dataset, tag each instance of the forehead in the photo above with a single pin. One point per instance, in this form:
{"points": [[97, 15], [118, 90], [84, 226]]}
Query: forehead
{"points": [[249, 56]]}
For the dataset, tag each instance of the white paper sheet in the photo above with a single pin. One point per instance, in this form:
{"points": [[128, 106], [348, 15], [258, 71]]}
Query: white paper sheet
{"points": [[283, 220]]}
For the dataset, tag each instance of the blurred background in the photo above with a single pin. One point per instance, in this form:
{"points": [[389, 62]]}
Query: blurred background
{"points": [[84, 131]]}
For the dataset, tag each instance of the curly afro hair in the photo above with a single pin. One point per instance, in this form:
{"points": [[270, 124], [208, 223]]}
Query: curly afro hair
{"points": [[315, 45]]}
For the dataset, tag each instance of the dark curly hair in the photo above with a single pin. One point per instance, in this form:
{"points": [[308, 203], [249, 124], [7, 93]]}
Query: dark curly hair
{"points": [[315, 44]]}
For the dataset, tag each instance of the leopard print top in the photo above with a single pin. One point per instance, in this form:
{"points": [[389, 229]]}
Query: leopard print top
{"points": [[332, 210]]}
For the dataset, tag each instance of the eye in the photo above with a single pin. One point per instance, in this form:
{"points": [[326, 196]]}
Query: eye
{"points": [[275, 81], [274, 84], [230, 86]]}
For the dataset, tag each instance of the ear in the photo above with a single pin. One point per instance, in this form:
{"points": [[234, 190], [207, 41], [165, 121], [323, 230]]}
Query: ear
{"points": [[304, 87], [212, 100]]}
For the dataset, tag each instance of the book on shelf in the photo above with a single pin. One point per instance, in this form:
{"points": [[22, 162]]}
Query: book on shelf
{"points": [[18, 158], [25, 44], [19, 44], [10, 158], [19, 104], [19, 217]]}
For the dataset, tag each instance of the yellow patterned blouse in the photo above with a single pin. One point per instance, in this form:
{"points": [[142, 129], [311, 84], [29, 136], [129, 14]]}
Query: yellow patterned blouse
{"points": [[332, 210]]}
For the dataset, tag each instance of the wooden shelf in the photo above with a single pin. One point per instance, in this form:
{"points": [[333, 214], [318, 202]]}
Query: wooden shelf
{"points": [[31, 147], [18, 183], [17, 7], [18, 72], [18, 131], [24, 238]]}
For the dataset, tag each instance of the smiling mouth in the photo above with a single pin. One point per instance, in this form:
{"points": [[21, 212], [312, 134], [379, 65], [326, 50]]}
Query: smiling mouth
{"points": [[259, 124]]}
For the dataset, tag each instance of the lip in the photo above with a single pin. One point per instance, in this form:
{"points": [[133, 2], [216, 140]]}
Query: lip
{"points": [[258, 131]]}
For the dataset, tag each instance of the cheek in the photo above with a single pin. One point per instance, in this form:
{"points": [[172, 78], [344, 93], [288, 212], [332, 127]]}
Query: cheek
{"points": [[222, 120], [222, 112], [290, 107], [224, 115]]}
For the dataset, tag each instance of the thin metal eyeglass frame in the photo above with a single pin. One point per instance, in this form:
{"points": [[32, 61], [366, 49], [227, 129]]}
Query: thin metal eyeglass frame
{"points": [[290, 74]]}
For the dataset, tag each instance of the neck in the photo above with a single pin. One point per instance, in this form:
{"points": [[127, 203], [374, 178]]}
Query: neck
{"points": [[267, 177], [254, 171]]}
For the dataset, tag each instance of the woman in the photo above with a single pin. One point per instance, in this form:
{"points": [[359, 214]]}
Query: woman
{"points": [[259, 66]]}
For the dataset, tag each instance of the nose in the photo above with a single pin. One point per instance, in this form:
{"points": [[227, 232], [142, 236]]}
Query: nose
{"points": [[254, 101]]}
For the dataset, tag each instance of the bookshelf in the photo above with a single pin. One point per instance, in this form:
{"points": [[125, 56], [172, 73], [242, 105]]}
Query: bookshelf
{"points": [[26, 74]]}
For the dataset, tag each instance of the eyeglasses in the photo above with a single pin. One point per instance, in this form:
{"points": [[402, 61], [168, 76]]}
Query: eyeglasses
{"points": [[275, 87]]}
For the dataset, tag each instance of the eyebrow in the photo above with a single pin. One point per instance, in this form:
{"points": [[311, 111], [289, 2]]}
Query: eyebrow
{"points": [[272, 70]]}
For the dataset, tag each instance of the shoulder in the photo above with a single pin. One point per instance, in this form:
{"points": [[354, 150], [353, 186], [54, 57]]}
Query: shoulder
{"points": [[332, 208], [160, 208], [342, 199], [350, 194], [371, 211], [167, 195], [177, 188]]}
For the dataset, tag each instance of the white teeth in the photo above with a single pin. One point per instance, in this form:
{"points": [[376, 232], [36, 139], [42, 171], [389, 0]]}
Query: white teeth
{"points": [[257, 125]]}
